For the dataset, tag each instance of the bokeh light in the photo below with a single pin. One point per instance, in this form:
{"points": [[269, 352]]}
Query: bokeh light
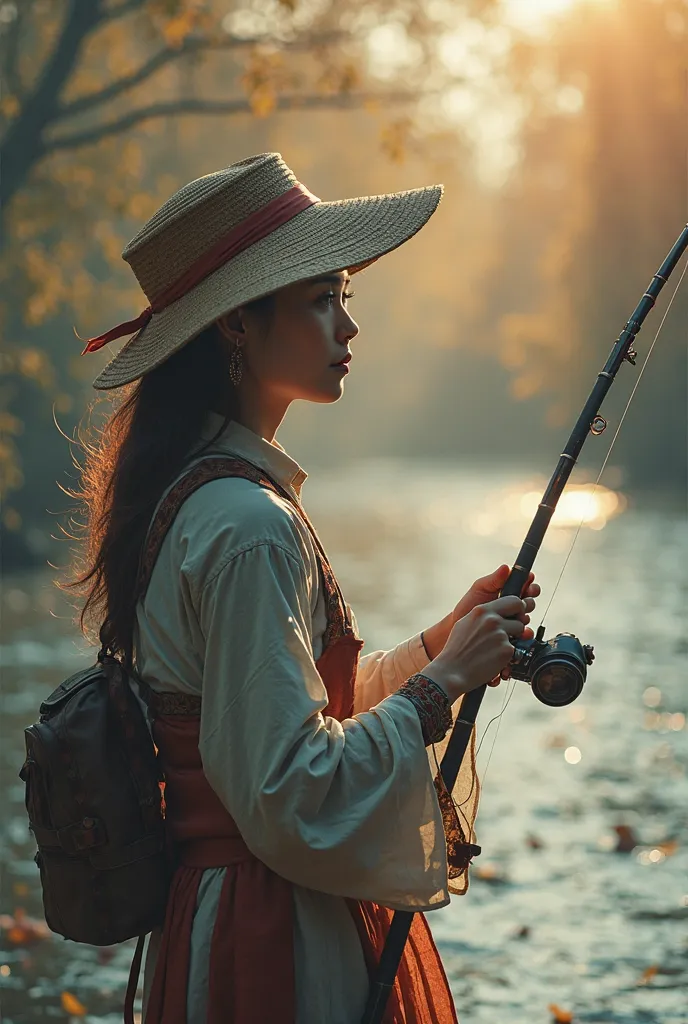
{"points": [[593, 506]]}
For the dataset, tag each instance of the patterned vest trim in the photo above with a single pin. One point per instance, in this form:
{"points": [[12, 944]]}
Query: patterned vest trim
{"points": [[338, 622]]}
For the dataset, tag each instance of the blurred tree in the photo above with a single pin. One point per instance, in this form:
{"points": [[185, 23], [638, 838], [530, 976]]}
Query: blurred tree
{"points": [[597, 201], [104, 110], [109, 105]]}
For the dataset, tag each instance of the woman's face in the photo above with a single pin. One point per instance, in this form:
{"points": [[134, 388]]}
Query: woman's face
{"points": [[291, 353]]}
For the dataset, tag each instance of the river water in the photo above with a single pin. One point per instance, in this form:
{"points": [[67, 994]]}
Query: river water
{"points": [[558, 923]]}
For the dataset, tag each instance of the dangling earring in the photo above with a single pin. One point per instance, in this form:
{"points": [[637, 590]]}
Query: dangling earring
{"points": [[235, 365]]}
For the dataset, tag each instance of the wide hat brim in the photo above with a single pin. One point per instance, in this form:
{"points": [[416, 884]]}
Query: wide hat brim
{"points": [[326, 237]]}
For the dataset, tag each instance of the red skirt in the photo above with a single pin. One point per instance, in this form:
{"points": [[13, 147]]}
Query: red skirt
{"points": [[251, 970]]}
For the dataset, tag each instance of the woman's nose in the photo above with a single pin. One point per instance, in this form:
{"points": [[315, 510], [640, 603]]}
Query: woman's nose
{"points": [[348, 329]]}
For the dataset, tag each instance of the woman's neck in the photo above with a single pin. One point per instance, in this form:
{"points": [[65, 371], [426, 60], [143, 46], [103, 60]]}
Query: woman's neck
{"points": [[262, 418]]}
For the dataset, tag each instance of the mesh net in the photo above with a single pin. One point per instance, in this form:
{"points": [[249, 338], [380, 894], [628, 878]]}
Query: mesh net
{"points": [[459, 808]]}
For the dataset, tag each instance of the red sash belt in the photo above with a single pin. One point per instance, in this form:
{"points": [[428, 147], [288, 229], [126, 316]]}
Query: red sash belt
{"points": [[214, 853]]}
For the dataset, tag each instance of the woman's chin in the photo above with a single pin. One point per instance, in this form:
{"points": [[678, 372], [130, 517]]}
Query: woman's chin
{"points": [[329, 399], [326, 395]]}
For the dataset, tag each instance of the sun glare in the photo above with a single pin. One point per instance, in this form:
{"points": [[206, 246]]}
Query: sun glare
{"points": [[534, 14], [580, 503]]}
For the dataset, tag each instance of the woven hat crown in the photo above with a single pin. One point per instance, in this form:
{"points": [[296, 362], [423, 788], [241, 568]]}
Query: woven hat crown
{"points": [[200, 213]]}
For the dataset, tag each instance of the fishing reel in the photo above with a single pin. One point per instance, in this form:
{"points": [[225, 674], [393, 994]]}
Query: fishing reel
{"points": [[556, 669]]}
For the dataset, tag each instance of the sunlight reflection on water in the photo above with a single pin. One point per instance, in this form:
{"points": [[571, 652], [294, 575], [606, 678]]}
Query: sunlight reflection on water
{"points": [[554, 914], [557, 916]]}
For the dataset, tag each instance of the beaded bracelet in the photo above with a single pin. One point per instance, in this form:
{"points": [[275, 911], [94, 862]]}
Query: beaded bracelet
{"points": [[432, 705]]}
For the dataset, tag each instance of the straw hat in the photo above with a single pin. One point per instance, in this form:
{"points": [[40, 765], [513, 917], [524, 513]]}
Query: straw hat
{"points": [[240, 233]]}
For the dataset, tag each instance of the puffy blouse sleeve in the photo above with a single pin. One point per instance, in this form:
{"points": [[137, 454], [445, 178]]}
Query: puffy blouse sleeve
{"points": [[346, 808], [381, 673]]}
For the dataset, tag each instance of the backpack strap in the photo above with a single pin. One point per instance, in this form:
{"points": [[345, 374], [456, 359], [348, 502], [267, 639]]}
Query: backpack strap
{"points": [[133, 982], [230, 466], [202, 473]]}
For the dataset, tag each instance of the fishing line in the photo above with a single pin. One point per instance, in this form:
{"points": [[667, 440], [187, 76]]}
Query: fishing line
{"points": [[510, 692], [623, 417], [498, 719]]}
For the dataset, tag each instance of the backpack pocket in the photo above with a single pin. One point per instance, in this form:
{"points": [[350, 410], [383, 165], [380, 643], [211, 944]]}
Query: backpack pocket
{"points": [[38, 809], [35, 793]]}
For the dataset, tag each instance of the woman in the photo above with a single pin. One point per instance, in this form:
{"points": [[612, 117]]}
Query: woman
{"points": [[298, 789]]}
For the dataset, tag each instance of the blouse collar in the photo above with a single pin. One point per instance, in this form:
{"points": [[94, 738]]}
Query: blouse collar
{"points": [[270, 456]]}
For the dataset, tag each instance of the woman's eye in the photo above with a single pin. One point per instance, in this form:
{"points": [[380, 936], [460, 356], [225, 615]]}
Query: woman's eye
{"points": [[329, 297]]}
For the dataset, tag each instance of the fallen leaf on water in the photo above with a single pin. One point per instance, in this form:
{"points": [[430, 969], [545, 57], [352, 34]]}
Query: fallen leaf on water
{"points": [[71, 1005], [489, 873], [22, 930], [560, 1016], [534, 842], [647, 975], [626, 839]]}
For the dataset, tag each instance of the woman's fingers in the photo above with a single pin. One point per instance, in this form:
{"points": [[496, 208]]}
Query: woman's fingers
{"points": [[530, 588], [530, 605], [514, 627]]}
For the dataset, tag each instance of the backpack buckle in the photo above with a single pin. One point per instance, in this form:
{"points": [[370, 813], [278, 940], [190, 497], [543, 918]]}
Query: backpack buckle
{"points": [[82, 836]]}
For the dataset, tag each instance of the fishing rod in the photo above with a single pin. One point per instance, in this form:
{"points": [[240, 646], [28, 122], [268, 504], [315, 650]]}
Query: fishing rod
{"points": [[556, 669]]}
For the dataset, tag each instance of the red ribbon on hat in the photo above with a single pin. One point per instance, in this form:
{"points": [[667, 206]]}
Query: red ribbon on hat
{"points": [[249, 231]]}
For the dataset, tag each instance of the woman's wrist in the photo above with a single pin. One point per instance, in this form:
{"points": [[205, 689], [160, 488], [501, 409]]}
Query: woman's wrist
{"points": [[450, 680], [435, 637], [432, 706]]}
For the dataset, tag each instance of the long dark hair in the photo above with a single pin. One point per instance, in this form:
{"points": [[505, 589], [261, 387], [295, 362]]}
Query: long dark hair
{"points": [[141, 448]]}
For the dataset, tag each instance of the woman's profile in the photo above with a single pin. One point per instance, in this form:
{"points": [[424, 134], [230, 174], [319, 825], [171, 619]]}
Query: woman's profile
{"points": [[300, 798]]}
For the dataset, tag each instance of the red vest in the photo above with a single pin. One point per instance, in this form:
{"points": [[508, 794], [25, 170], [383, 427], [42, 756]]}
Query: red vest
{"points": [[251, 971]]}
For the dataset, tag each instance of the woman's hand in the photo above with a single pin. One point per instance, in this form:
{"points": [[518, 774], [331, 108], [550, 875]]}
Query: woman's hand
{"points": [[487, 589], [483, 591], [479, 644]]}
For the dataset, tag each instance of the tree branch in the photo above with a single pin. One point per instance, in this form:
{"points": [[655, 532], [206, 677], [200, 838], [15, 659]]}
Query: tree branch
{"points": [[169, 54], [119, 10], [23, 145], [176, 108], [114, 89], [11, 50]]}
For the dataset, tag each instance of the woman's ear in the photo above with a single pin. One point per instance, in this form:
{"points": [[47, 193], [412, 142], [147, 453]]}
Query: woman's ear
{"points": [[231, 326]]}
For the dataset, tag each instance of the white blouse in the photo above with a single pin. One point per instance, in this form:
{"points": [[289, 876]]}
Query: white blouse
{"points": [[235, 612]]}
